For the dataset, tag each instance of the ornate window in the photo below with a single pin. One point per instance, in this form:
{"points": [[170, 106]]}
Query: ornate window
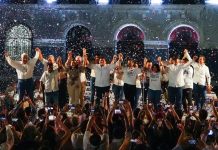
{"points": [[18, 41]]}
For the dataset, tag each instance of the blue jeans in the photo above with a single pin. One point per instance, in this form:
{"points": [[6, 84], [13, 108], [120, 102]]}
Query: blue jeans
{"points": [[154, 97], [51, 98], [175, 96], [199, 95], [118, 92], [25, 87], [92, 88]]}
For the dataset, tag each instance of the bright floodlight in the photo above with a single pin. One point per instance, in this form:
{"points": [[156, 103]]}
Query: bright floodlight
{"points": [[156, 2], [103, 2], [215, 2], [50, 1]]}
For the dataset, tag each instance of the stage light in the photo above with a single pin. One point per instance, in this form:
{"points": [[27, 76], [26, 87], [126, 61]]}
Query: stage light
{"points": [[156, 2], [50, 1], [103, 2], [213, 2]]}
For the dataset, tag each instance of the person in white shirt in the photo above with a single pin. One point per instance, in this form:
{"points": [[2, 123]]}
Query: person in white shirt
{"points": [[155, 79], [24, 69], [102, 77], [202, 81], [118, 83], [188, 87], [50, 59], [176, 80], [130, 74], [50, 80], [92, 79]]}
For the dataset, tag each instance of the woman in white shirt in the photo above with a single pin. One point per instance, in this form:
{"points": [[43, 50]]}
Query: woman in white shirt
{"points": [[202, 81], [154, 91], [130, 74], [118, 83]]}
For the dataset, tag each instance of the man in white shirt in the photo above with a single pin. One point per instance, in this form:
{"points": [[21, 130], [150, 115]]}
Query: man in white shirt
{"points": [[50, 59], [188, 87], [102, 76], [176, 79], [202, 81], [50, 80], [92, 79], [130, 74], [24, 69]]}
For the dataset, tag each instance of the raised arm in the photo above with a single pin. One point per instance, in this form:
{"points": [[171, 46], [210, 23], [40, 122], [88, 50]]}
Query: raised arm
{"points": [[186, 55], [69, 59], [36, 57], [12, 63]]}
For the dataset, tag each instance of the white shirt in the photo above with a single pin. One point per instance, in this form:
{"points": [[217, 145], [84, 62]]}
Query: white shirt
{"points": [[50, 80], [92, 73], [155, 81], [102, 74], [130, 75], [45, 62], [176, 73], [24, 71], [188, 77], [201, 73], [117, 81]]}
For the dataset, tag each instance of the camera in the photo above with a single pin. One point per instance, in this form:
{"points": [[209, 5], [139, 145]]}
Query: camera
{"points": [[120, 102], [51, 118], [192, 142], [133, 140], [14, 119], [210, 132], [117, 111]]}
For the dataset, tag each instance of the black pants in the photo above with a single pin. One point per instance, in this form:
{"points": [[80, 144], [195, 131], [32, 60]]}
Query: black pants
{"points": [[100, 91], [187, 95], [62, 85], [130, 92]]}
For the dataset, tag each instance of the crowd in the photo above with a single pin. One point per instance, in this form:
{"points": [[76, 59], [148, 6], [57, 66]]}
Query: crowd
{"points": [[53, 114]]}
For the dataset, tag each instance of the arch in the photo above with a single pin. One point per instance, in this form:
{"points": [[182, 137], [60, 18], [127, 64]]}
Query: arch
{"points": [[127, 25], [71, 25], [18, 40], [77, 38], [195, 35], [129, 40], [182, 37]]}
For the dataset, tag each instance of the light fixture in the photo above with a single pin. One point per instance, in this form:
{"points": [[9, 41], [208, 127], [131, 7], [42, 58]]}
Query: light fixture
{"points": [[103, 2], [50, 1], [156, 2], [214, 2]]}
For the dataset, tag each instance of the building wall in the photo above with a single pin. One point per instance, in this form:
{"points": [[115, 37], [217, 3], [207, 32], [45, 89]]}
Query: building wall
{"points": [[50, 23]]}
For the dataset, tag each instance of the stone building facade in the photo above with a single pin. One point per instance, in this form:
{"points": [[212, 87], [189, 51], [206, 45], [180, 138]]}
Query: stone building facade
{"points": [[49, 26]]}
